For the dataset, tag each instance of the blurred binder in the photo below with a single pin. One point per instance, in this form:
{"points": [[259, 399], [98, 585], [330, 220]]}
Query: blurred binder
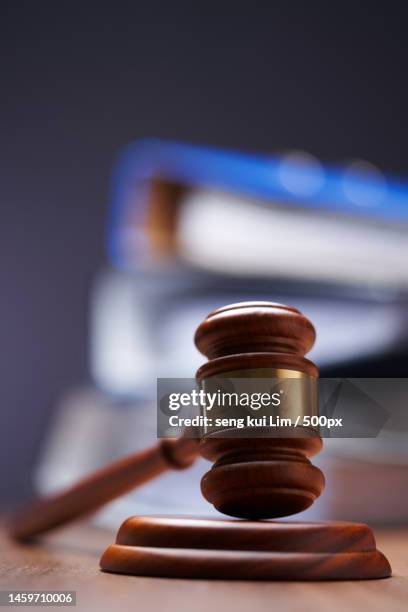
{"points": [[286, 218]]}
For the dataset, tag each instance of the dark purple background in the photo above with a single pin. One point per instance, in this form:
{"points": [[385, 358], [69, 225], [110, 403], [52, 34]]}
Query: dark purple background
{"points": [[79, 81]]}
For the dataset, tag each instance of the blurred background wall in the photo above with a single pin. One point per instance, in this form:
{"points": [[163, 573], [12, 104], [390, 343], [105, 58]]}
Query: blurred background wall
{"points": [[81, 79]]}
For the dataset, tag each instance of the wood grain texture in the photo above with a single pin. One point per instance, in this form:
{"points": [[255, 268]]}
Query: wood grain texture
{"points": [[69, 560], [260, 478], [241, 550], [175, 532], [255, 327]]}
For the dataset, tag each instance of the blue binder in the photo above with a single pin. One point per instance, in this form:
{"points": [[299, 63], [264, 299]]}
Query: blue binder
{"points": [[325, 188]]}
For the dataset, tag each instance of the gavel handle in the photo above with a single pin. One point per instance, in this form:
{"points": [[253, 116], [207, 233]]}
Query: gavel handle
{"points": [[102, 487]]}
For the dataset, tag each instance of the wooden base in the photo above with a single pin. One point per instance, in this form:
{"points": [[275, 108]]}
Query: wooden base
{"points": [[244, 550]]}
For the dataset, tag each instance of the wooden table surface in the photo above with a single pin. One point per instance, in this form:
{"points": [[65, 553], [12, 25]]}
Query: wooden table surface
{"points": [[69, 561]]}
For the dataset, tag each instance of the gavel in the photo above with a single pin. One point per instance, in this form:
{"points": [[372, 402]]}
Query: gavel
{"points": [[251, 478]]}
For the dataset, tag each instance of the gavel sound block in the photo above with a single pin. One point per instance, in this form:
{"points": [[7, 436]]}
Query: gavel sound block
{"points": [[252, 478]]}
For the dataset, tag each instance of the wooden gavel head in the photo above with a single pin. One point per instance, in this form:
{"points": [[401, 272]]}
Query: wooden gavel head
{"points": [[259, 477]]}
